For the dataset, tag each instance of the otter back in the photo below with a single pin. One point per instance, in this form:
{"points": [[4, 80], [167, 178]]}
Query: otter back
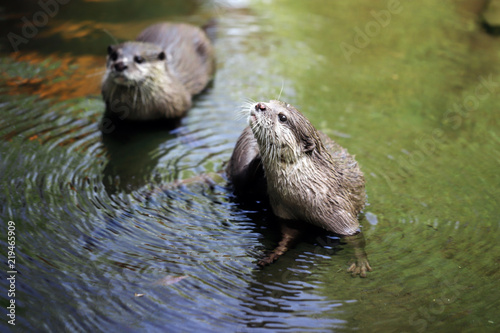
{"points": [[190, 55]]}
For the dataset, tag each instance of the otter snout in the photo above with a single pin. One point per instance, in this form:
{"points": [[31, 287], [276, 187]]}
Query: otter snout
{"points": [[120, 66], [260, 107]]}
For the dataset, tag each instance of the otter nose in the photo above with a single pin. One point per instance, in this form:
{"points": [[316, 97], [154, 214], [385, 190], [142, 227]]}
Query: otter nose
{"points": [[120, 66], [260, 107]]}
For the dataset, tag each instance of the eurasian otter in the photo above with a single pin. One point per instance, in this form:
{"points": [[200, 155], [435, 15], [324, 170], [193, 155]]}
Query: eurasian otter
{"points": [[156, 76], [307, 176]]}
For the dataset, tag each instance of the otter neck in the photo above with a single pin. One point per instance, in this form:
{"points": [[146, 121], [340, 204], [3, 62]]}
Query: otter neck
{"points": [[273, 155], [284, 162]]}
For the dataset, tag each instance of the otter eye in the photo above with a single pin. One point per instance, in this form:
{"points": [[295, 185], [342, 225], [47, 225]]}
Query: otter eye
{"points": [[139, 59], [282, 117], [113, 56], [162, 56]]}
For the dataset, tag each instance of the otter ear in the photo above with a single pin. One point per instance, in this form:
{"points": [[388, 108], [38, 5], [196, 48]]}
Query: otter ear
{"points": [[162, 56], [308, 144]]}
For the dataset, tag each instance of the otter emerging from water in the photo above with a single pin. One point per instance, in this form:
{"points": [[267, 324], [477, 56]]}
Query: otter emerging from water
{"points": [[306, 176], [156, 76]]}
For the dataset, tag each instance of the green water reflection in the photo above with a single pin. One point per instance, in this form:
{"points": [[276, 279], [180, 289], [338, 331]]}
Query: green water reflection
{"points": [[416, 92]]}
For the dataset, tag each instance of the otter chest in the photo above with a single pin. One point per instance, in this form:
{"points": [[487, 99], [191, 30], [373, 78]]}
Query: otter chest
{"points": [[296, 189]]}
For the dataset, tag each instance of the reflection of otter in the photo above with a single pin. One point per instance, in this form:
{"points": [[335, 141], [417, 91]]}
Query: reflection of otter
{"points": [[130, 158], [156, 76], [307, 177]]}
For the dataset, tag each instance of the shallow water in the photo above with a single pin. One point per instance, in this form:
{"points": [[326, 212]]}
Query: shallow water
{"points": [[99, 247]]}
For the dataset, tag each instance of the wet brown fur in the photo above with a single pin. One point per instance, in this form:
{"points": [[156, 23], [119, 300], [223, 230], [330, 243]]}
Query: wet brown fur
{"points": [[180, 60], [328, 191]]}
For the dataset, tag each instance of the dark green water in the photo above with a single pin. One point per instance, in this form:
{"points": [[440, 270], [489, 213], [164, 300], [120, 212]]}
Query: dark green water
{"points": [[98, 248]]}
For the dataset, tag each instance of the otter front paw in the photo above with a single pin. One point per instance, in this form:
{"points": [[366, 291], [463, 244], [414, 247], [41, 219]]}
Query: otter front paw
{"points": [[360, 267], [272, 257]]}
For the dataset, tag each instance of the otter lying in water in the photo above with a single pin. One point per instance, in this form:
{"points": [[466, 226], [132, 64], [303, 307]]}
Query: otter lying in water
{"points": [[156, 76], [306, 176]]}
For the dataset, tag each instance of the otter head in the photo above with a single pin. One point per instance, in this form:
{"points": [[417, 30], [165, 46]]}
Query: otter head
{"points": [[133, 62], [282, 132]]}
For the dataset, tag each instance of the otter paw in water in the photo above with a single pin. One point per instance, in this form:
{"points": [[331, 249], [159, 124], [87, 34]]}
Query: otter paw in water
{"points": [[268, 260], [291, 232], [156, 76], [360, 267]]}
